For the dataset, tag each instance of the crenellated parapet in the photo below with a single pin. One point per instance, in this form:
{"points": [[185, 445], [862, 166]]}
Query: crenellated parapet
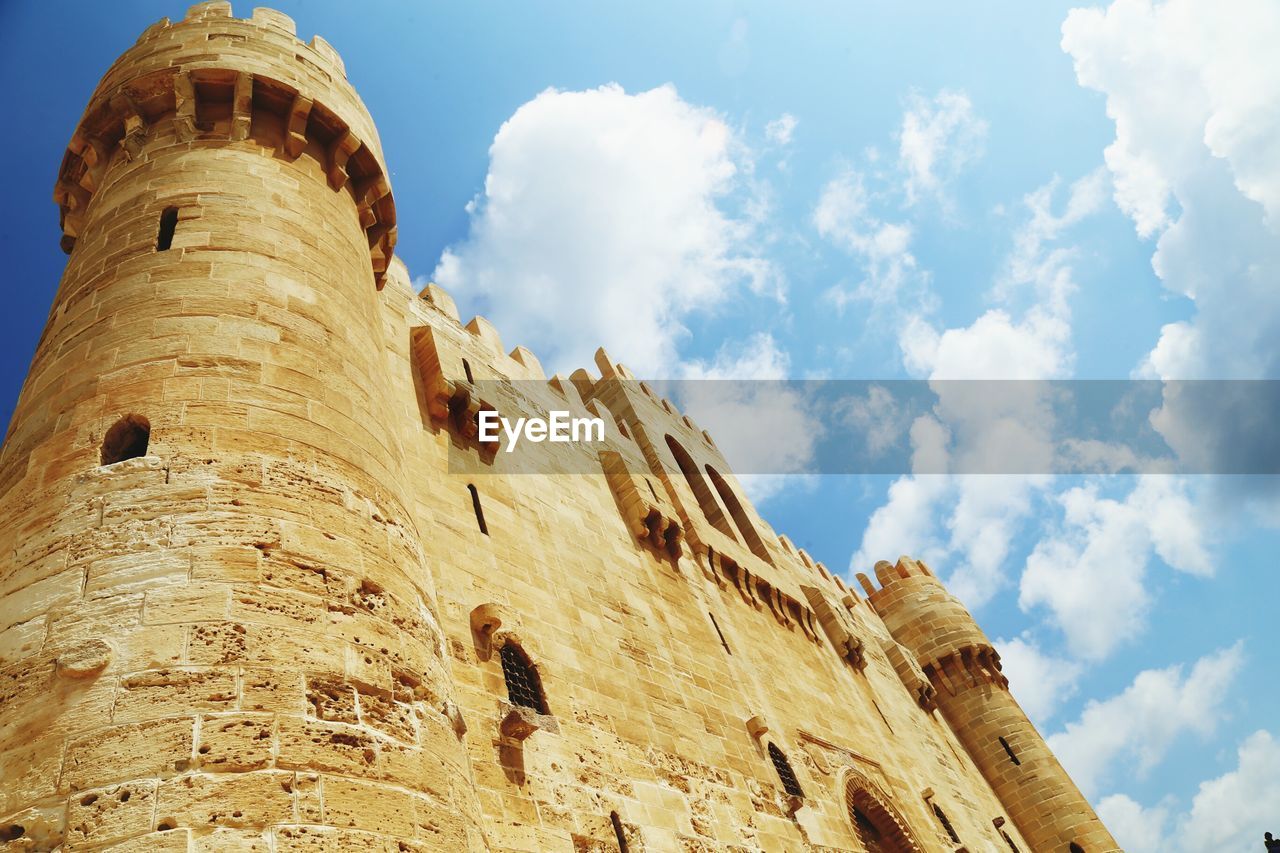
{"points": [[663, 469], [928, 620], [213, 78]]}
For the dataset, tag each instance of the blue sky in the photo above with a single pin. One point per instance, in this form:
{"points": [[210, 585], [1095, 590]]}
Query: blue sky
{"points": [[866, 191]]}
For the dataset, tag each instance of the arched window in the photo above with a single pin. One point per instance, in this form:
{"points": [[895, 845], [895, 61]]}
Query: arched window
{"points": [[1009, 751], [127, 439], [479, 510], [787, 776], [168, 224], [740, 517], [1075, 848], [706, 499], [878, 827], [618, 832], [868, 833], [524, 686]]}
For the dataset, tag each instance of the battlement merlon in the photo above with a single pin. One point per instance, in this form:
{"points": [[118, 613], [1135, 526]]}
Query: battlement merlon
{"points": [[449, 372], [212, 74], [930, 622]]}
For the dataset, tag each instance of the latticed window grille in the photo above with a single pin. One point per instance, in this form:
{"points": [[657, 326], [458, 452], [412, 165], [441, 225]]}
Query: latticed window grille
{"points": [[524, 687], [788, 776]]}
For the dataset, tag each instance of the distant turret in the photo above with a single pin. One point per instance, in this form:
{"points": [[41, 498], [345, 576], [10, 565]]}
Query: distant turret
{"points": [[972, 694]]}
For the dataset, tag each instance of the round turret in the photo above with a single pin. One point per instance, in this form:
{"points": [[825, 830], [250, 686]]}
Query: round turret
{"points": [[215, 74], [223, 611], [972, 694]]}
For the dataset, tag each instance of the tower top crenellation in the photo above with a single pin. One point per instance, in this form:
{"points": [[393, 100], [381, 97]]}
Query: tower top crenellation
{"points": [[214, 77]]}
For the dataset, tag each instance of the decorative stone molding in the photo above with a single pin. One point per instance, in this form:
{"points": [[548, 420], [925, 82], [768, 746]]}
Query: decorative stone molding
{"points": [[84, 659], [451, 398], [649, 518], [912, 676], [838, 625], [518, 722]]}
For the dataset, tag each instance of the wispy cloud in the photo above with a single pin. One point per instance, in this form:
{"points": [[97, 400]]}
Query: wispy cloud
{"points": [[1135, 728], [938, 138]]}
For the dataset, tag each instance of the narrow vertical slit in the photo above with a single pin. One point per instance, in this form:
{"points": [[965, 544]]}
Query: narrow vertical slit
{"points": [[466, 368], [720, 633], [883, 717], [168, 224], [945, 822], [617, 831], [1009, 751], [475, 504]]}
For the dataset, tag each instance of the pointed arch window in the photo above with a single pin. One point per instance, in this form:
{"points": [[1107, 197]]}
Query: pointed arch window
{"points": [[701, 491], [524, 685], [785, 774], [741, 519], [877, 826]]}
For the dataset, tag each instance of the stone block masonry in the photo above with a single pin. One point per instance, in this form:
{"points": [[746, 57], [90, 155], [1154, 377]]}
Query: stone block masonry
{"points": [[245, 604]]}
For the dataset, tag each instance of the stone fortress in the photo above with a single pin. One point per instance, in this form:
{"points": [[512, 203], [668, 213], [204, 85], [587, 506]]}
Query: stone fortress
{"points": [[249, 602]]}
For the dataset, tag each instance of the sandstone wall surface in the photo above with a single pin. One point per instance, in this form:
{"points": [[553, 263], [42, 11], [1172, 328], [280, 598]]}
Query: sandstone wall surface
{"points": [[294, 620]]}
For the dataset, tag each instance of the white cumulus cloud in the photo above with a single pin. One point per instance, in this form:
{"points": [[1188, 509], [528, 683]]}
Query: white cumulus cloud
{"points": [[966, 524], [844, 216], [1130, 733], [1091, 576], [740, 399], [1136, 828], [1194, 91], [780, 130], [1040, 681], [1228, 812], [604, 218]]}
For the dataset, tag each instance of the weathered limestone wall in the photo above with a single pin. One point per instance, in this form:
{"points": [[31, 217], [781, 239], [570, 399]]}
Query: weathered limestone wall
{"points": [[654, 719], [973, 696], [233, 638], [283, 626]]}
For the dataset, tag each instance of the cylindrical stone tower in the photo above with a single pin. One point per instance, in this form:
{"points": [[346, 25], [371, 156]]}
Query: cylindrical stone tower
{"points": [[973, 696], [216, 617]]}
